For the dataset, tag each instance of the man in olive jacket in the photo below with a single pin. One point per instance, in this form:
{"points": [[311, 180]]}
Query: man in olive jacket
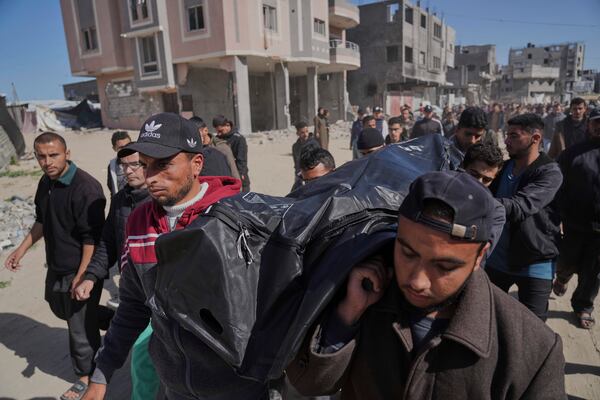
{"points": [[440, 329]]}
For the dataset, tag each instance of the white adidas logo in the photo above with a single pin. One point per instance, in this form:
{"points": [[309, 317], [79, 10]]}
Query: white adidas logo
{"points": [[150, 130], [191, 142]]}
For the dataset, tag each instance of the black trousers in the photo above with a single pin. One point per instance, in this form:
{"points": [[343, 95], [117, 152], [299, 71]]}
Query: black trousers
{"points": [[580, 254], [81, 317], [533, 292]]}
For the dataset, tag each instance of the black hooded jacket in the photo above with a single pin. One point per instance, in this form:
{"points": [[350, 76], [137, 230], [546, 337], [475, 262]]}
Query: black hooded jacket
{"points": [[532, 213], [239, 148], [108, 251]]}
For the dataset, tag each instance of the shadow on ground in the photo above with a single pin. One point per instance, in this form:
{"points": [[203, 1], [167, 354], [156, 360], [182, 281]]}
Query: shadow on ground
{"points": [[571, 368], [47, 349]]}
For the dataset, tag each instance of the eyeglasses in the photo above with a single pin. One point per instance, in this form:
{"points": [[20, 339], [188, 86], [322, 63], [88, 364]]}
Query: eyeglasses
{"points": [[133, 165]]}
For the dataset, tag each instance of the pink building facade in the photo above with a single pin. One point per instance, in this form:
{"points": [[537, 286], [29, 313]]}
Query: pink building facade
{"points": [[266, 64]]}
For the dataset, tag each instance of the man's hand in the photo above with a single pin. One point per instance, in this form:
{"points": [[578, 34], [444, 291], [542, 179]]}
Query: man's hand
{"points": [[95, 391], [83, 290], [359, 296], [76, 281], [12, 263]]}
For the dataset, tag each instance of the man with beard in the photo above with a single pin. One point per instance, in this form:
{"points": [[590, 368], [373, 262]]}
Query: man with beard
{"points": [[526, 187], [570, 130], [69, 208], [170, 153], [579, 205], [421, 320]]}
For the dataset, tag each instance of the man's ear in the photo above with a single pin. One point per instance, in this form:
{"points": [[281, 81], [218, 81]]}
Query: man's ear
{"points": [[480, 256], [68, 154], [197, 164]]}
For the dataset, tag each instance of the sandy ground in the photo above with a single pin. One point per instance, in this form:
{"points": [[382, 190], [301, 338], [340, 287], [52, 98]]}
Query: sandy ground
{"points": [[34, 356]]}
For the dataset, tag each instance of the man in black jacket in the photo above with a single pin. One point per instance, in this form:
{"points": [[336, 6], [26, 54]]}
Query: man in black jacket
{"points": [[526, 187], [570, 130], [579, 205], [69, 211], [427, 125], [237, 142]]}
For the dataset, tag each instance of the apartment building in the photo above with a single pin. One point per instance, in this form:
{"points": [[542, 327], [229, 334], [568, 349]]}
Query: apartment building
{"points": [[264, 63], [405, 49], [567, 57], [474, 65]]}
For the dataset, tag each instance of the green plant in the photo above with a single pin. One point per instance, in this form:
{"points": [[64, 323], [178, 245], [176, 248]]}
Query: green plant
{"points": [[4, 284], [16, 174]]}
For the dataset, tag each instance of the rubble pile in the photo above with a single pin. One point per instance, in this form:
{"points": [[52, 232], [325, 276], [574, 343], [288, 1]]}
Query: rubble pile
{"points": [[17, 215]]}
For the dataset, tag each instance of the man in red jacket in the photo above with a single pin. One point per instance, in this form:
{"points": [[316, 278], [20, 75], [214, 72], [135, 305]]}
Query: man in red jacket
{"points": [[170, 153]]}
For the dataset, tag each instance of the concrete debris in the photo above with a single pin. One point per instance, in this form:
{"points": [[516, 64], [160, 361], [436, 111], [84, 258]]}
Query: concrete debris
{"points": [[336, 130], [17, 216]]}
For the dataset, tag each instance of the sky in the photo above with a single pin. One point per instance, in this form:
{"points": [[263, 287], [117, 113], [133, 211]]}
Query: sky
{"points": [[35, 59]]}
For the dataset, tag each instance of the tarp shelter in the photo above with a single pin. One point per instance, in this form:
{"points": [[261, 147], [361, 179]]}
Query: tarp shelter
{"points": [[56, 115], [11, 140]]}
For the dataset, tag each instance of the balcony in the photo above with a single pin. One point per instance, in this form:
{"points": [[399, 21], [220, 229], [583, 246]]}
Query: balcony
{"points": [[344, 55], [343, 14]]}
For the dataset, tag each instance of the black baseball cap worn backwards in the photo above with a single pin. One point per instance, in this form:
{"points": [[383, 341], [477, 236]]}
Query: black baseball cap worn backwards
{"points": [[164, 135], [473, 205]]}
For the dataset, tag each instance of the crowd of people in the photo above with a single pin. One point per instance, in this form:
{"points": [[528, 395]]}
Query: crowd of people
{"points": [[434, 320]]}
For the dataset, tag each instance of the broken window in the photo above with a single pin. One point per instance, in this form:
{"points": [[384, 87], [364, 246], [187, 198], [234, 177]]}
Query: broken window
{"points": [[422, 58], [149, 60], [392, 53], [319, 26], [423, 21], [90, 41], [270, 17], [408, 15], [437, 30], [408, 54], [139, 10], [437, 62], [393, 10], [196, 18]]}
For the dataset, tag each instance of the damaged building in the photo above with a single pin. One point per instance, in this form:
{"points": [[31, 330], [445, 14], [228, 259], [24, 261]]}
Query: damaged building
{"points": [[264, 63]]}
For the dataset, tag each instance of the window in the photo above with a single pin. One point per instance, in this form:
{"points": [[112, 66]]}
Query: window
{"points": [[437, 30], [90, 42], [471, 67], [408, 54], [149, 60], [270, 17], [437, 62], [392, 53], [423, 21], [422, 58], [196, 18], [408, 15], [545, 61], [394, 87], [392, 12], [529, 56], [319, 26], [139, 9]]}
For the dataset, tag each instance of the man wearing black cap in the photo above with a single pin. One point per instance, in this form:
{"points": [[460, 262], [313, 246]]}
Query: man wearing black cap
{"points": [[369, 141], [239, 147], [380, 122], [170, 153], [428, 124], [421, 320], [579, 205]]}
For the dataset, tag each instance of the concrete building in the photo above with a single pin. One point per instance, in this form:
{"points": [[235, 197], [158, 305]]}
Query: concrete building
{"points": [[592, 75], [405, 51], [265, 63], [78, 91], [528, 84], [567, 57], [474, 65]]}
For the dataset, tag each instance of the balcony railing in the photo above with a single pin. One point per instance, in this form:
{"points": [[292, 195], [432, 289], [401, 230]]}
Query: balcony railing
{"points": [[337, 43]]}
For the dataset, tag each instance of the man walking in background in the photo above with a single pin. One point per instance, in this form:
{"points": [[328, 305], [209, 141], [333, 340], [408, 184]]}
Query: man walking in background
{"points": [[238, 145], [69, 216], [321, 123], [116, 178]]}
